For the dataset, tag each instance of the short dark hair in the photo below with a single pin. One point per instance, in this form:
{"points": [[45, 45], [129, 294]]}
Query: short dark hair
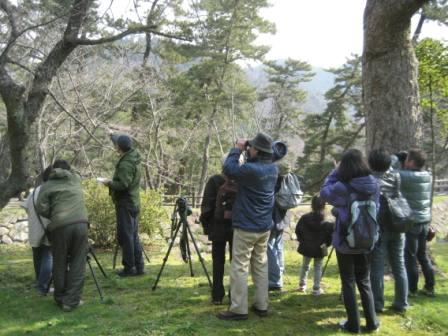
{"points": [[61, 164], [46, 174], [352, 165], [379, 160], [418, 156], [318, 206]]}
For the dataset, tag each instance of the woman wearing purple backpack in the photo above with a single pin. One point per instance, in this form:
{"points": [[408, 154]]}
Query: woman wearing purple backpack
{"points": [[352, 179]]}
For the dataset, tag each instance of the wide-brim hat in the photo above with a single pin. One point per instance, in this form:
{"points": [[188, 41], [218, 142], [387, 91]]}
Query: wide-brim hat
{"points": [[262, 142]]}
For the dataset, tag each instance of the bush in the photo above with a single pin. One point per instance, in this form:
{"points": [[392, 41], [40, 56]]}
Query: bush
{"points": [[102, 217]]}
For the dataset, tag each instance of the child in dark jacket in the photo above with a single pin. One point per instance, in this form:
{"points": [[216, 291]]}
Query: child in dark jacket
{"points": [[314, 235]]}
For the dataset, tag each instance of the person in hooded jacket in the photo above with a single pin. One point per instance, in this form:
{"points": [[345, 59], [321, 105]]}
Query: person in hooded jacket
{"points": [[61, 200], [352, 175], [313, 233], [124, 189]]}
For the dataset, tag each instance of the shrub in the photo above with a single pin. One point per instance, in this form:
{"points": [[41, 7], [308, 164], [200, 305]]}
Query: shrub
{"points": [[102, 217]]}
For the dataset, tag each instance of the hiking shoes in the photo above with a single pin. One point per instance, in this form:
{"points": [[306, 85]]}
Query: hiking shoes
{"points": [[227, 315], [259, 312]]}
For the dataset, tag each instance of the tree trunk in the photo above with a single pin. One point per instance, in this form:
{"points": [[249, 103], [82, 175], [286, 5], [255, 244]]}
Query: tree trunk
{"points": [[389, 76], [205, 159]]}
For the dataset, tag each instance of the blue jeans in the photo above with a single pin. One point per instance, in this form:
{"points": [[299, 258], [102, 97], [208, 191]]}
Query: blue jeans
{"points": [[415, 249], [391, 246], [43, 267], [276, 264]]}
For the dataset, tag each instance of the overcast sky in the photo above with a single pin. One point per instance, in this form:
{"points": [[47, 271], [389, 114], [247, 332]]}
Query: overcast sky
{"points": [[323, 33]]}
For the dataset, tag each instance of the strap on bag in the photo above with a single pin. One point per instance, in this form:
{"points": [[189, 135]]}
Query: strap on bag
{"points": [[46, 232]]}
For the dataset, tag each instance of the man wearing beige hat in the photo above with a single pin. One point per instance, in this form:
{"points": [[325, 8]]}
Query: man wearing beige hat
{"points": [[251, 221]]}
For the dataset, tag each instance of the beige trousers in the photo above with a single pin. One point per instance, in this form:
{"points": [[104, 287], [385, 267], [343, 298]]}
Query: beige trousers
{"points": [[249, 248]]}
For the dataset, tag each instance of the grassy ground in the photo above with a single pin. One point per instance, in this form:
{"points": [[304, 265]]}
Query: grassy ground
{"points": [[181, 305]]}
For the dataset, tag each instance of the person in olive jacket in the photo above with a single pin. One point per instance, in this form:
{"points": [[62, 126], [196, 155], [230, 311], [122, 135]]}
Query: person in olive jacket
{"points": [[124, 189], [61, 200], [313, 232], [416, 186]]}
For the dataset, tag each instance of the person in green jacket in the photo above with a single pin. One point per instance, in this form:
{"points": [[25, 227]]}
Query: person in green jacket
{"points": [[124, 189], [416, 184], [61, 200]]}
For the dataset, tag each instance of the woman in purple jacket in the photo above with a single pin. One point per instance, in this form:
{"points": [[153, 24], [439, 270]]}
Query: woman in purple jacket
{"points": [[352, 176]]}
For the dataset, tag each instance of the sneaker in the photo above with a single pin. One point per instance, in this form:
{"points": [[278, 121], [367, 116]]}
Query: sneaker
{"points": [[217, 302], [412, 294], [66, 308], [302, 288], [259, 312], [318, 291], [227, 315], [428, 292], [371, 330], [343, 326], [397, 309], [275, 289]]}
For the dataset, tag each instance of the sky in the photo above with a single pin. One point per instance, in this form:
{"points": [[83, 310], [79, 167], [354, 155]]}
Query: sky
{"points": [[323, 33]]}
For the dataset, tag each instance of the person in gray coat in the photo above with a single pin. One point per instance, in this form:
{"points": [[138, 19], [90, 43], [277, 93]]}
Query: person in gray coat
{"points": [[416, 186], [390, 244]]}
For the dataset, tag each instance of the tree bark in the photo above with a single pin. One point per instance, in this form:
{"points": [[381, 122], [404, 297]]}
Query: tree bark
{"points": [[389, 76]]}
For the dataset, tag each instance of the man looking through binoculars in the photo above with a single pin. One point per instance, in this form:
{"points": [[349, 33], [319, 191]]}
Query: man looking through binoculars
{"points": [[251, 221]]}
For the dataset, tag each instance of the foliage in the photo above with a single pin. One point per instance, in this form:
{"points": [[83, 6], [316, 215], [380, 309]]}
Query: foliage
{"points": [[102, 218], [152, 214], [339, 127], [433, 84], [181, 304], [285, 96]]}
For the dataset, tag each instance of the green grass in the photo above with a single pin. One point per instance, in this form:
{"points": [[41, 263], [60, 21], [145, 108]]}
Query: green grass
{"points": [[181, 305]]}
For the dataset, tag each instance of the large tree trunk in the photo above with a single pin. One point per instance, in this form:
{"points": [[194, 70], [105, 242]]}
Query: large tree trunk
{"points": [[389, 76]]}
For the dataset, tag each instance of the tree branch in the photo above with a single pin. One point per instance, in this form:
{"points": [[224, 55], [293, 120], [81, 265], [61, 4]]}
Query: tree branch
{"points": [[130, 31]]}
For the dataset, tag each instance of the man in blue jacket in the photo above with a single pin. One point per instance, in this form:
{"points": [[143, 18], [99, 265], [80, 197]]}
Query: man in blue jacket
{"points": [[416, 188], [251, 221]]}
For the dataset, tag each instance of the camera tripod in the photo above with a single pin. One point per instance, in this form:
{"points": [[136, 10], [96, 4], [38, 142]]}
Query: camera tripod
{"points": [[91, 253], [183, 210]]}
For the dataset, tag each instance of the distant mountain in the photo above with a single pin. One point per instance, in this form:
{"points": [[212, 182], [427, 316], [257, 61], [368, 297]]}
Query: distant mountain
{"points": [[316, 88]]}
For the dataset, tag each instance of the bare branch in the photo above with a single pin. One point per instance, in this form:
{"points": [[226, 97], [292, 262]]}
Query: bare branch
{"points": [[130, 31]]}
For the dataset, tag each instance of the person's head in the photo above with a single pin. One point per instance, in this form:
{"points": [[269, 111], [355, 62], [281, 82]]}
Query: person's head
{"points": [[122, 142], [260, 146], [352, 165], [416, 159], [62, 164], [317, 204], [379, 160]]}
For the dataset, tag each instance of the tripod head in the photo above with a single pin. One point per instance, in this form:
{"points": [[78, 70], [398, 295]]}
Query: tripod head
{"points": [[183, 208]]}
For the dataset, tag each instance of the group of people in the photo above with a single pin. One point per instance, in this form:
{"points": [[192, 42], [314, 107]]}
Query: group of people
{"points": [[58, 225], [254, 224], [239, 210]]}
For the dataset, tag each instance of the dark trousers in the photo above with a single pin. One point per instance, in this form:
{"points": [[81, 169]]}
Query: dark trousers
{"points": [[43, 265], [355, 269], [219, 259], [127, 235], [415, 250], [69, 246]]}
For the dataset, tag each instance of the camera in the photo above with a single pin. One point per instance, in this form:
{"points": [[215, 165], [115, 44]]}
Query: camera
{"points": [[182, 206]]}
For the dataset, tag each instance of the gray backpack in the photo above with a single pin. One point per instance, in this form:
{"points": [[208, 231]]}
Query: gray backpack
{"points": [[289, 195]]}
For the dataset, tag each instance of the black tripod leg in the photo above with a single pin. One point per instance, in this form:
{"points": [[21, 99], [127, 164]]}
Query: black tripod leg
{"points": [[146, 256], [114, 260], [95, 280], [97, 262], [187, 243], [166, 258], [326, 264], [199, 254]]}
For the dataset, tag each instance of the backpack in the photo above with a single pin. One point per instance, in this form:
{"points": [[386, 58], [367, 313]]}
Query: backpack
{"points": [[224, 200], [289, 195], [361, 228], [395, 214]]}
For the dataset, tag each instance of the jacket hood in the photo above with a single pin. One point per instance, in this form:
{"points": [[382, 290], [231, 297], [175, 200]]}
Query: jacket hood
{"points": [[367, 185], [132, 156], [59, 173]]}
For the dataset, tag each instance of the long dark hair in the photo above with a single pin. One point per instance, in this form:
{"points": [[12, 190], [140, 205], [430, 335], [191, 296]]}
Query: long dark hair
{"points": [[318, 207], [352, 165]]}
